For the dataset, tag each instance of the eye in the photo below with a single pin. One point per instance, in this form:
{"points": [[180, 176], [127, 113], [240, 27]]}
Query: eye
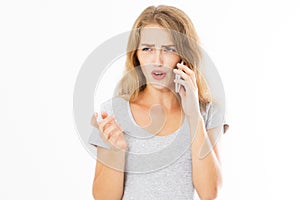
{"points": [[147, 49], [169, 49]]}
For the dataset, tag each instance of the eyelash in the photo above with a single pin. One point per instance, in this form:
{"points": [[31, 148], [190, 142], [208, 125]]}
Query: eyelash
{"points": [[169, 49], [165, 49], [146, 49]]}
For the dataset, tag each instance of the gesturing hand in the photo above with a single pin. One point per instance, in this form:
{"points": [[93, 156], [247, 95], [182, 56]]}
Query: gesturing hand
{"points": [[110, 131], [189, 90]]}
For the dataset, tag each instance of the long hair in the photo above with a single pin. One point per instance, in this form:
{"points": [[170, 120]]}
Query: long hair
{"points": [[186, 41]]}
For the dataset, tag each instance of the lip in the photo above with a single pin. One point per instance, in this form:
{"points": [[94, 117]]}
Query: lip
{"points": [[158, 74]]}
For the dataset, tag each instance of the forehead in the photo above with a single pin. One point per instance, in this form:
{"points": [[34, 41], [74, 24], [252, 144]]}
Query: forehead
{"points": [[155, 34]]}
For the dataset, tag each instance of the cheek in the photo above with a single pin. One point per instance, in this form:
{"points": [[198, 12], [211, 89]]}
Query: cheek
{"points": [[145, 69], [142, 58], [172, 61]]}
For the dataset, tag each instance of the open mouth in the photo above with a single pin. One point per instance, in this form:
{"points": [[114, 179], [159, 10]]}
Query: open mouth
{"points": [[158, 75]]}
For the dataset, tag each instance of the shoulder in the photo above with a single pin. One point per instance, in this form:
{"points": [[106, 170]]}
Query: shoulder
{"points": [[214, 115], [112, 105], [209, 110]]}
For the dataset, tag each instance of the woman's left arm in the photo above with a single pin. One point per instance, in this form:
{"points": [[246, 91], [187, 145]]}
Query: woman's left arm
{"points": [[206, 166], [206, 171]]}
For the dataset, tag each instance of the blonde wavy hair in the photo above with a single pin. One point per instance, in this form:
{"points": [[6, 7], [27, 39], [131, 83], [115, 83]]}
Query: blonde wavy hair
{"points": [[186, 41]]}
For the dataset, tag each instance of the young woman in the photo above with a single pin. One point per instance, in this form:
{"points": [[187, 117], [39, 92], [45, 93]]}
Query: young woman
{"points": [[155, 142]]}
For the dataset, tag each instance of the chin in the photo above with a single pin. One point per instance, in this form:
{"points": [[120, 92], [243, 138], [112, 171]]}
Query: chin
{"points": [[160, 86]]}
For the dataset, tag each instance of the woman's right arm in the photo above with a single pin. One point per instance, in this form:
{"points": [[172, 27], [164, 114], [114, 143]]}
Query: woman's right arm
{"points": [[109, 180], [109, 174]]}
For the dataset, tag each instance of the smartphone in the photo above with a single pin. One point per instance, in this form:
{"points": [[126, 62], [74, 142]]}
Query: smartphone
{"points": [[177, 85]]}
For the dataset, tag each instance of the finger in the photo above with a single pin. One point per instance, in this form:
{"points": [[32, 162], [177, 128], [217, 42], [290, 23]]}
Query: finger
{"points": [[114, 126], [182, 90], [109, 131], [104, 115], [185, 68], [114, 121], [100, 117], [121, 143], [188, 71], [114, 138], [105, 122], [187, 78], [181, 73], [94, 120], [119, 127]]}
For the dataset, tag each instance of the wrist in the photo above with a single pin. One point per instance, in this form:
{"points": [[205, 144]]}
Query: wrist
{"points": [[195, 118], [112, 158], [196, 124]]}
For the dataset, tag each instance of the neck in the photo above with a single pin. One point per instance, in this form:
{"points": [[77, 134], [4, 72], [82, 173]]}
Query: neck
{"points": [[164, 97]]}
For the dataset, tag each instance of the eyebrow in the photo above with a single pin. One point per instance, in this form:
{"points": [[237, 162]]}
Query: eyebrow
{"points": [[152, 45]]}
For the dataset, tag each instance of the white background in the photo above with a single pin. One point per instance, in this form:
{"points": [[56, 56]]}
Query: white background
{"points": [[254, 44]]}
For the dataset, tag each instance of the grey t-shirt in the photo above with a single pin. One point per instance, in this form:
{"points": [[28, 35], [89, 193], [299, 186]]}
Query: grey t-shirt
{"points": [[157, 167]]}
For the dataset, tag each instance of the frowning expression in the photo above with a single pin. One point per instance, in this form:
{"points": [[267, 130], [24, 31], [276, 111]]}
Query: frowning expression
{"points": [[157, 55]]}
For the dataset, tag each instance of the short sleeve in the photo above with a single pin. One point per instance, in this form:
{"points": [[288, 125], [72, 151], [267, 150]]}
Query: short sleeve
{"points": [[95, 138], [216, 117]]}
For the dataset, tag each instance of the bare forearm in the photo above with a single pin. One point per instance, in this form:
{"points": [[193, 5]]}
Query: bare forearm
{"points": [[109, 175], [207, 176]]}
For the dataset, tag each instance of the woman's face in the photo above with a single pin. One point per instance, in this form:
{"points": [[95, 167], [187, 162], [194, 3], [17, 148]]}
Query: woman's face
{"points": [[158, 56]]}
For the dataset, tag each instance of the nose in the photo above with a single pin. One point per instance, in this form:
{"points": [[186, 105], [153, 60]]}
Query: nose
{"points": [[158, 57]]}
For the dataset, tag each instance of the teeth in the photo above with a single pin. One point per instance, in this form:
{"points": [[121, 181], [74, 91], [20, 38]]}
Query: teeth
{"points": [[157, 73]]}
